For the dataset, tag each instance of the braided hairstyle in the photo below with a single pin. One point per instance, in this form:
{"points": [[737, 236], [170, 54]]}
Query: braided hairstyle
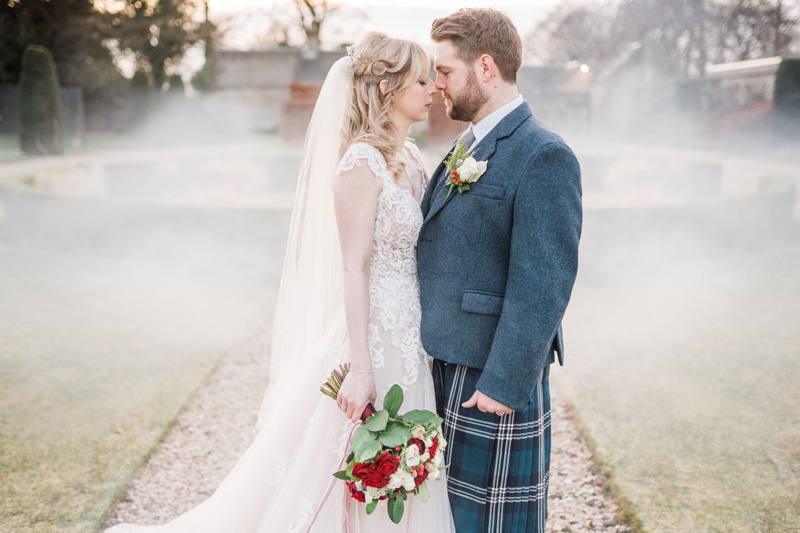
{"points": [[401, 63]]}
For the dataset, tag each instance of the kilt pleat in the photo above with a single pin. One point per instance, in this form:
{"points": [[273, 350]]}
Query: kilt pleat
{"points": [[499, 465]]}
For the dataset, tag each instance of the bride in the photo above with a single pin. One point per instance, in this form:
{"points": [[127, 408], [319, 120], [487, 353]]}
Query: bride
{"points": [[349, 294]]}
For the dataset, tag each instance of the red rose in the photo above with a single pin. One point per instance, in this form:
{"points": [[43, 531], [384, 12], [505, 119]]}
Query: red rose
{"points": [[420, 478], [419, 443], [434, 446], [369, 476], [386, 464], [355, 493]]}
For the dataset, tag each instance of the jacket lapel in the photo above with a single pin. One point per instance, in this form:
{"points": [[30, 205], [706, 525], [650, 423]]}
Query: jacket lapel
{"points": [[483, 151], [436, 183]]}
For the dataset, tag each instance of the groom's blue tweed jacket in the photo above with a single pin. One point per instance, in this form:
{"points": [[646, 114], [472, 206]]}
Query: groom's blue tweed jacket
{"points": [[497, 263]]}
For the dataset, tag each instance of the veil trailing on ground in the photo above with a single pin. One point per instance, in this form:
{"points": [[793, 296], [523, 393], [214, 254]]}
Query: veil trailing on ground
{"points": [[312, 288]]}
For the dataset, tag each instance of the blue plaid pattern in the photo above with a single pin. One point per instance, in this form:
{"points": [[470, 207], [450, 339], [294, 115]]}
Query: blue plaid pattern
{"points": [[499, 465]]}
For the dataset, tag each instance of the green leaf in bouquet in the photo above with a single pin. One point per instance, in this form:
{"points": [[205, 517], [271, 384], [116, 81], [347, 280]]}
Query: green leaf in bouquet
{"points": [[350, 464], [396, 434], [422, 418], [368, 451], [393, 400], [371, 506], [396, 507], [435, 423], [423, 492], [377, 422], [360, 436], [342, 474]]}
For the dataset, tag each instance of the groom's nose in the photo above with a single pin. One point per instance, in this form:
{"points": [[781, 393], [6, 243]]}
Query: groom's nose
{"points": [[440, 84]]}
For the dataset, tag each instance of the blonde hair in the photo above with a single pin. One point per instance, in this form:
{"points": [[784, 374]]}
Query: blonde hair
{"points": [[401, 63]]}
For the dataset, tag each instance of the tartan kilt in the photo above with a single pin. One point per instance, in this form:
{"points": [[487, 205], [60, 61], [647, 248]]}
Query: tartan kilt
{"points": [[499, 465]]}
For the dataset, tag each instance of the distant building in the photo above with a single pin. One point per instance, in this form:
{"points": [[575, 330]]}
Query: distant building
{"points": [[733, 85], [255, 84], [632, 98]]}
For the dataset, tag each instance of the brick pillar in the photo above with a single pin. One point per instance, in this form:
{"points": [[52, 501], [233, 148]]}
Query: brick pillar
{"points": [[296, 111]]}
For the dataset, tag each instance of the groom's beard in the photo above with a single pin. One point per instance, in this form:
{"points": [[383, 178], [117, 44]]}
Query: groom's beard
{"points": [[466, 104]]}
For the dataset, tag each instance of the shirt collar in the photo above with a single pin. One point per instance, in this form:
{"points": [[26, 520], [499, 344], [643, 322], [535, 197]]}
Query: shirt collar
{"points": [[487, 124]]}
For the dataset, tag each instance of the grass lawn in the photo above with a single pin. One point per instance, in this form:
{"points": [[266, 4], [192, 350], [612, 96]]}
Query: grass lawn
{"points": [[683, 360], [10, 152], [113, 314]]}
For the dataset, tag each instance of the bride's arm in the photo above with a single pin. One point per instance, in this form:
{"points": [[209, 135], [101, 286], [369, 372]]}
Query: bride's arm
{"points": [[355, 194]]}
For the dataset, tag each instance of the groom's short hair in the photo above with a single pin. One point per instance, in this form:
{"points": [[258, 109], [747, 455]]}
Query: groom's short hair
{"points": [[478, 31]]}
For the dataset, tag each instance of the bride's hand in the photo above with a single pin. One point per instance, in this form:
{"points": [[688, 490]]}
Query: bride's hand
{"points": [[357, 390]]}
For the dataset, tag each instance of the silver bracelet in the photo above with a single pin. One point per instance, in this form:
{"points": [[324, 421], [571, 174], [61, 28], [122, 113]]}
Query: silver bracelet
{"points": [[361, 371]]}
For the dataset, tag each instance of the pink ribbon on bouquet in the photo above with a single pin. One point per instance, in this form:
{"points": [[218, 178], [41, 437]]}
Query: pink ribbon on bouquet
{"points": [[369, 410]]}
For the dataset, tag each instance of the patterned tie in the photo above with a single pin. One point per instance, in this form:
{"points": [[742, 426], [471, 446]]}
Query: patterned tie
{"points": [[468, 137]]}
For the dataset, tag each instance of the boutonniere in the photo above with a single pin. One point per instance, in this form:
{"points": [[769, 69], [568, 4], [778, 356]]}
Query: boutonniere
{"points": [[463, 170]]}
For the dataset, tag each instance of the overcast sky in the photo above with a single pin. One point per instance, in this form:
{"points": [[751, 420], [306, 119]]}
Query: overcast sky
{"points": [[409, 19]]}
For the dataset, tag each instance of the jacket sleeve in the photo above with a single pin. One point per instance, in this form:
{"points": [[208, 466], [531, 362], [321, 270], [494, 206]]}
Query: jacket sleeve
{"points": [[543, 264]]}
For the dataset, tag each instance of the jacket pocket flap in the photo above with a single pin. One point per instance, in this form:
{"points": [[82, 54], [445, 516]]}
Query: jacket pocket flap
{"points": [[489, 191], [482, 302]]}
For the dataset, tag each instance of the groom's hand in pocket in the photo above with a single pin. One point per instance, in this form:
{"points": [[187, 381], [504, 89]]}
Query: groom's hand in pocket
{"points": [[486, 404]]}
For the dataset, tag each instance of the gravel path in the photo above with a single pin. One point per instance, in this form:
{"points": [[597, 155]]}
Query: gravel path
{"points": [[218, 424]]}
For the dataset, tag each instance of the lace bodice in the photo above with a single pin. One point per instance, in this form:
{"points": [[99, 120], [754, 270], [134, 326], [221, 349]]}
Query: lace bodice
{"points": [[394, 286]]}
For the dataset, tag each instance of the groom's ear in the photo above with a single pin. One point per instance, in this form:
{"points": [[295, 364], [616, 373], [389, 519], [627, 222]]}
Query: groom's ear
{"points": [[486, 68]]}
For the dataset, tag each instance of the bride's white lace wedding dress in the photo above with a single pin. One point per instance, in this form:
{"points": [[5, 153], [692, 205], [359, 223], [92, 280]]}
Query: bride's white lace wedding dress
{"points": [[279, 484]]}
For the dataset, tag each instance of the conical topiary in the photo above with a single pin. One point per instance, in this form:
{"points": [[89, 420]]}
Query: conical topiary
{"points": [[786, 102], [176, 85], [40, 122]]}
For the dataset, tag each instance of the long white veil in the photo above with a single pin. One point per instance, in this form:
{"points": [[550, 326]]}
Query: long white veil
{"points": [[312, 286]]}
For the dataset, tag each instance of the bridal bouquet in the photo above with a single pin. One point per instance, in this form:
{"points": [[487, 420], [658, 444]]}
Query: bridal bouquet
{"points": [[391, 455]]}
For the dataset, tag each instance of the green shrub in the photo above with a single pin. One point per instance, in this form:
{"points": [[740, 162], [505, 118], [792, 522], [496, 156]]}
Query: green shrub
{"points": [[786, 102], [176, 85], [139, 97], [40, 122], [203, 80], [140, 81]]}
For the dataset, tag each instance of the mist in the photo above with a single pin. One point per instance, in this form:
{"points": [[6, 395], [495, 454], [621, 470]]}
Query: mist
{"points": [[130, 266]]}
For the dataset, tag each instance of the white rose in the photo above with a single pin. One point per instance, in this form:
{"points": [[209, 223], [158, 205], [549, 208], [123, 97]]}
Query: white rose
{"points": [[395, 481], [471, 170], [439, 457], [408, 481], [411, 455], [425, 456], [418, 432], [401, 478]]}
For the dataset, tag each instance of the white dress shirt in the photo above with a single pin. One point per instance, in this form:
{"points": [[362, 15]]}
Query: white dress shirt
{"points": [[487, 124]]}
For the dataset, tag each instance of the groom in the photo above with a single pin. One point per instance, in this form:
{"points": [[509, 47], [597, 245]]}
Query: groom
{"points": [[496, 267]]}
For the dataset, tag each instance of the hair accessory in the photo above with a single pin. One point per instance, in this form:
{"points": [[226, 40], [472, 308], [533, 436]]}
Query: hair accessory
{"points": [[353, 52]]}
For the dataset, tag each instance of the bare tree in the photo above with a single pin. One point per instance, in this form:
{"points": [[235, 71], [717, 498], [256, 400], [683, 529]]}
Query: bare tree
{"points": [[313, 14], [679, 36], [748, 29], [575, 31]]}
